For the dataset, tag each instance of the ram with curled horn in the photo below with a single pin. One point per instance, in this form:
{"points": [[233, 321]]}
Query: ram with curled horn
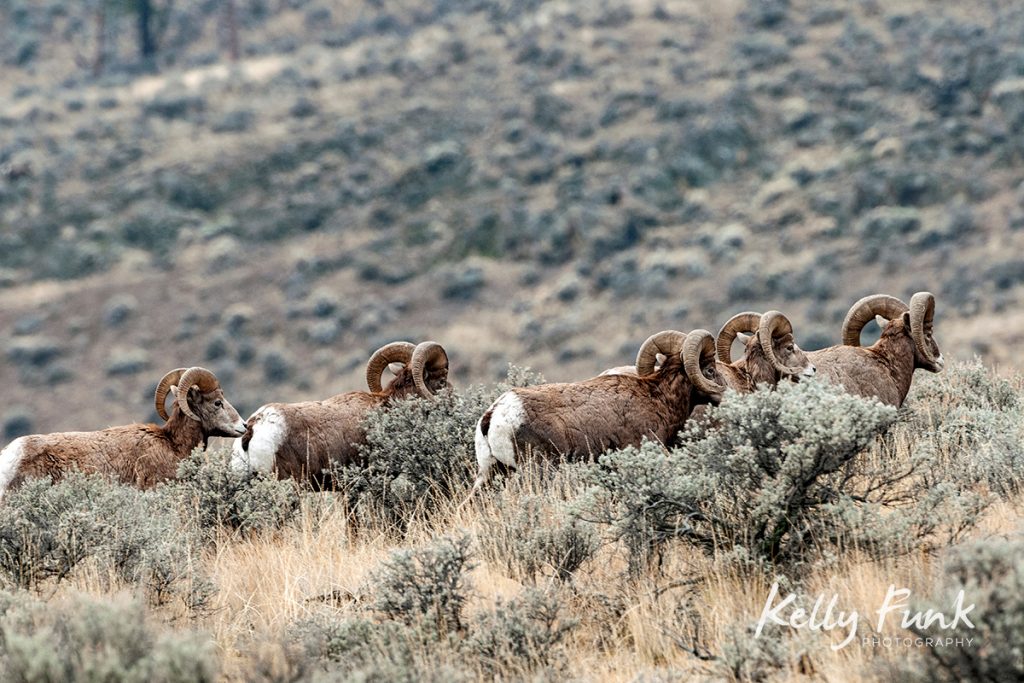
{"points": [[139, 454], [306, 441], [770, 353], [885, 369], [582, 419]]}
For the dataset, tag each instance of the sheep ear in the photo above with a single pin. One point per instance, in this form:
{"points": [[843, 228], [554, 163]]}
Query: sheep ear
{"points": [[395, 368], [882, 322], [906, 320], [174, 390], [743, 337]]}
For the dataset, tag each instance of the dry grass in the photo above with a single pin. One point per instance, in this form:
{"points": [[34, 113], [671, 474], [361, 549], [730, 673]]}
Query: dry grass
{"points": [[269, 582]]}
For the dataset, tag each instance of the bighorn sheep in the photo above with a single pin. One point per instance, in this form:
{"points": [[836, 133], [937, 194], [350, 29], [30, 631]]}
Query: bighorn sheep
{"points": [[139, 454], [305, 440], [581, 419], [769, 355], [885, 369]]}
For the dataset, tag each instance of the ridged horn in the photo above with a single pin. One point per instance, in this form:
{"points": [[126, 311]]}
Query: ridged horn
{"points": [[922, 312], [162, 388], [775, 324], [395, 352], [699, 351], [666, 342], [865, 310], [747, 321], [431, 356], [200, 378]]}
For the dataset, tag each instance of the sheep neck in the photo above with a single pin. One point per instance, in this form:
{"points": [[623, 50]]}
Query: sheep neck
{"points": [[897, 354], [184, 433]]}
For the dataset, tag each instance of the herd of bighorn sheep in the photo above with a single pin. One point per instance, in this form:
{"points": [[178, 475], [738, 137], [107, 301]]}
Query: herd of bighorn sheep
{"points": [[674, 375]]}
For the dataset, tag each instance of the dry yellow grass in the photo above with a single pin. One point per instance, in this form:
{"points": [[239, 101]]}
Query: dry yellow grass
{"points": [[267, 583]]}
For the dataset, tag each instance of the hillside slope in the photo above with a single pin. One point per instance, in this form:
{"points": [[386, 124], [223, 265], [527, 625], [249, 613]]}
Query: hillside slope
{"points": [[546, 184]]}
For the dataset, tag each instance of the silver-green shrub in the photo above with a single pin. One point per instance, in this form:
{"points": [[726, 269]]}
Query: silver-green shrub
{"points": [[92, 640], [425, 585], [528, 534], [972, 422], [212, 495], [521, 638], [751, 481], [47, 530], [419, 454], [991, 575]]}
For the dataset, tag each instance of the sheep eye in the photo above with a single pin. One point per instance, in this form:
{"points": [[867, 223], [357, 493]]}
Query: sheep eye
{"points": [[219, 403]]}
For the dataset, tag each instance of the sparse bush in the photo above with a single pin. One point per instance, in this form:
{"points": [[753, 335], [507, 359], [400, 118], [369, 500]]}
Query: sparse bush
{"points": [[749, 658], [17, 421], [276, 367], [991, 577], [48, 530], [215, 496], [89, 639], [118, 309], [418, 455], [126, 361], [526, 538], [971, 421], [175, 103], [521, 638], [360, 649], [751, 482], [359, 645], [34, 351], [425, 585]]}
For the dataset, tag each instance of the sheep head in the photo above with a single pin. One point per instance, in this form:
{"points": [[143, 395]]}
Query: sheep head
{"points": [[198, 396], [777, 350], [915, 321], [426, 367], [694, 351]]}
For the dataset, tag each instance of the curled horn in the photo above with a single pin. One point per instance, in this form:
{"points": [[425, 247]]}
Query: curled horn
{"points": [[666, 342], [164, 386], [864, 311], [200, 378], [395, 352], [922, 312], [699, 351], [747, 321], [774, 324], [429, 356]]}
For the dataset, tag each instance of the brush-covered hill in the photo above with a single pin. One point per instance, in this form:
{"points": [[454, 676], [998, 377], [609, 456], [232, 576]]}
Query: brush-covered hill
{"points": [[541, 182]]}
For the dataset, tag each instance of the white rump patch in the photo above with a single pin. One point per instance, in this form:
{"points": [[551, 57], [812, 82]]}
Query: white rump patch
{"points": [[10, 460], [268, 433], [507, 417]]}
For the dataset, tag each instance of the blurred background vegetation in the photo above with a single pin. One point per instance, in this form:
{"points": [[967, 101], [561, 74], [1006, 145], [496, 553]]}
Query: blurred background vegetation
{"points": [[274, 188]]}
